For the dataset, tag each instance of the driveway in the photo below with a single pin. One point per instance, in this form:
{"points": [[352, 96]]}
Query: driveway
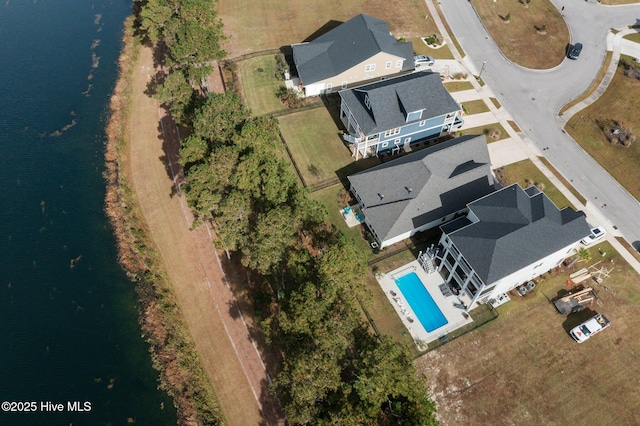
{"points": [[534, 97]]}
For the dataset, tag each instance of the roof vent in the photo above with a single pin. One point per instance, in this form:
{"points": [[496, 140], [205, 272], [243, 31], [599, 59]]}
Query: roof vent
{"points": [[408, 189], [380, 195]]}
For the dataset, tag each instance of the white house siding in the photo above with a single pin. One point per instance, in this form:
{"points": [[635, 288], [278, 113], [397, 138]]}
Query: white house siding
{"points": [[502, 285], [531, 271], [314, 89]]}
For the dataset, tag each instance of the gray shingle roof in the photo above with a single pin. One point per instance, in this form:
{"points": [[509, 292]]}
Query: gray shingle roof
{"points": [[391, 99], [424, 186], [346, 46], [516, 228]]}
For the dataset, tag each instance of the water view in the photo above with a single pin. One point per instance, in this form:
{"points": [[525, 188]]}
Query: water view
{"points": [[71, 347]]}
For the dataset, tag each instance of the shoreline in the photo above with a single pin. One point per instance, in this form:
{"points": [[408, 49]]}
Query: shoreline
{"points": [[172, 350]]}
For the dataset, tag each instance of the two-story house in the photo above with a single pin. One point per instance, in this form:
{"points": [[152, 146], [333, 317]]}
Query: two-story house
{"points": [[389, 115], [358, 50], [507, 238], [424, 189]]}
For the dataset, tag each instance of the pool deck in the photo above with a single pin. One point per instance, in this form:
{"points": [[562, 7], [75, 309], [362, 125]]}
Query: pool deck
{"points": [[456, 316]]}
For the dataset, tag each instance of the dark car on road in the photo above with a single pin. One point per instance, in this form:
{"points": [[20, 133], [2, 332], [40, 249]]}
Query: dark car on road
{"points": [[574, 50]]}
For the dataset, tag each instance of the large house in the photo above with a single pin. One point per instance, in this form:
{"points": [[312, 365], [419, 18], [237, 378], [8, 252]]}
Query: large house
{"points": [[358, 50], [388, 115], [424, 189], [507, 238]]}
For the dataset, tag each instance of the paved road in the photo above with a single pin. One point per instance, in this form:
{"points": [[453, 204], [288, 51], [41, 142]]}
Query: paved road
{"points": [[534, 97]]}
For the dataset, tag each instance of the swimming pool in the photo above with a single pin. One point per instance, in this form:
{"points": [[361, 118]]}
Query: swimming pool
{"points": [[421, 302]]}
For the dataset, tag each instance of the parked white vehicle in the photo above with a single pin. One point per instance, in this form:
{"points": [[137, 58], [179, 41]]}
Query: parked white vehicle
{"points": [[597, 233], [590, 327]]}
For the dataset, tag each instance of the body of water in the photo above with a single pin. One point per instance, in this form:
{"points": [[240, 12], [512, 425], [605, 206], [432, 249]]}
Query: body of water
{"points": [[70, 345]]}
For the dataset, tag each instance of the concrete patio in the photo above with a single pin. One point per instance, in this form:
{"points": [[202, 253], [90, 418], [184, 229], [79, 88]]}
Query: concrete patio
{"points": [[456, 317]]}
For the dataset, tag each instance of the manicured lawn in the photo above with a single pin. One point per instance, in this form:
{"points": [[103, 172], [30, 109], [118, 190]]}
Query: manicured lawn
{"points": [[496, 103], [518, 38], [313, 139], [524, 368], [526, 173], [330, 198], [620, 102], [259, 25], [475, 107], [457, 86], [385, 317], [421, 48], [489, 129], [260, 84], [633, 37]]}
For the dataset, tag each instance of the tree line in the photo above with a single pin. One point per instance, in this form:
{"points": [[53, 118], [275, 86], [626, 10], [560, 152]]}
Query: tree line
{"points": [[239, 178]]}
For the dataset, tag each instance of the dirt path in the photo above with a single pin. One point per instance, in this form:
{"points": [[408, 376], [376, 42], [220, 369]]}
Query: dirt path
{"points": [[207, 304]]}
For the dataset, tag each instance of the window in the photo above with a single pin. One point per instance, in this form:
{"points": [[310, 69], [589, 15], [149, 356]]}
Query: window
{"points": [[329, 87], [370, 67], [471, 289], [392, 132], [399, 63], [344, 84], [385, 144], [367, 102], [422, 123], [388, 65]]}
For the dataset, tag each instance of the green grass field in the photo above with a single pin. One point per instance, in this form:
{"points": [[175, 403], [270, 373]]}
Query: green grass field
{"points": [[457, 86], [315, 144], [526, 173], [489, 129], [475, 107], [620, 102], [260, 84]]}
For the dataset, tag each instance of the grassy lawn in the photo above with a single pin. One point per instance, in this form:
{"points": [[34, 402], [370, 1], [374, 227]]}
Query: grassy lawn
{"points": [[260, 84], [330, 198], [524, 368], [384, 316], [266, 24], [495, 129], [314, 142], [633, 37], [457, 86], [518, 38], [526, 173], [620, 102], [514, 126], [475, 107], [421, 48], [496, 103]]}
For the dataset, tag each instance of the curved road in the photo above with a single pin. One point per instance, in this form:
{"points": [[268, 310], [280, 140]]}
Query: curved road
{"points": [[534, 97]]}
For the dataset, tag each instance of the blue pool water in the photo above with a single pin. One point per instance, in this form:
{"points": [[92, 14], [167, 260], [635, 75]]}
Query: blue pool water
{"points": [[421, 302]]}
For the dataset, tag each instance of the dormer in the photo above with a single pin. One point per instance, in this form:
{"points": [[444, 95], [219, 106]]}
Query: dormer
{"points": [[367, 101], [414, 115]]}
